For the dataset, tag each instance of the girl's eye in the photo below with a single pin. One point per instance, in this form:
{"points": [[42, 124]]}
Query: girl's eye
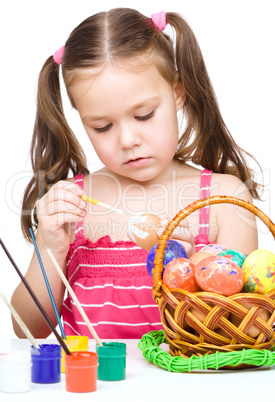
{"points": [[103, 129], [146, 117], [139, 118]]}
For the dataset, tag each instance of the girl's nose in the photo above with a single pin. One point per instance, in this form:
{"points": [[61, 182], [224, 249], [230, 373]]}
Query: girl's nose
{"points": [[129, 137]]}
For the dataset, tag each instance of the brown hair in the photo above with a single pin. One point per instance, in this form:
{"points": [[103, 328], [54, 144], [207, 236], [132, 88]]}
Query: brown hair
{"points": [[115, 36]]}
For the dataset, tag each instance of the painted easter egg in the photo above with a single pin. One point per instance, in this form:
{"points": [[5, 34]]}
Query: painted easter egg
{"points": [[198, 256], [180, 273], [259, 272], [213, 249], [173, 249], [142, 230], [237, 257], [219, 275]]}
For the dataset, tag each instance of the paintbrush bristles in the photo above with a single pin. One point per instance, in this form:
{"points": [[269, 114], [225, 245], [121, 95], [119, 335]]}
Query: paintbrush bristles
{"points": [[73, 296], [19, 320]]}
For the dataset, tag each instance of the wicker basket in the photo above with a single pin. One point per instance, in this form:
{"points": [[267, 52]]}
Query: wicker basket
{"points": [[186, 334]]}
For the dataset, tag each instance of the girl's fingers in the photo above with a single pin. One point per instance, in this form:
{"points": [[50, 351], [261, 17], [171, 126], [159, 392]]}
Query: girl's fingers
{"points": [[58, 207], [186, 238], [181, 233], [68, 186], [164, 222], [62, 197], [189, 248], [66, 218], [63, 190], [62, 205]]}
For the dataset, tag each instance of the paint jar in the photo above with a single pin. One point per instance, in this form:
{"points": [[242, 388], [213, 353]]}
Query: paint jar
{"points": [[46, 364], [112, 361], [75, 344], [81, 371], [15, 371]]}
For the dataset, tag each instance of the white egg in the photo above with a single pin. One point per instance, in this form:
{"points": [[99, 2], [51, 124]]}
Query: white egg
{"points": [[143, 230]]}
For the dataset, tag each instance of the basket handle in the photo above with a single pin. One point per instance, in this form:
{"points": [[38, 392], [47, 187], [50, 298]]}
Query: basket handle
{"points": [[194, 206]]}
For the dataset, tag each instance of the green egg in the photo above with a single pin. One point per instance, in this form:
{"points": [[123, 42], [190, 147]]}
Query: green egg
{"points": [[237, 257]]}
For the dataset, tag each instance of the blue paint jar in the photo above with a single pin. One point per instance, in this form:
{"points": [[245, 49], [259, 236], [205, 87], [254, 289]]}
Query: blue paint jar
{"points": [[46, 364]]}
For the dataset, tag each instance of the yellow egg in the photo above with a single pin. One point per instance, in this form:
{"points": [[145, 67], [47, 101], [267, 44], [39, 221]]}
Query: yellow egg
{"points": [[259, 272], [142, 230]]}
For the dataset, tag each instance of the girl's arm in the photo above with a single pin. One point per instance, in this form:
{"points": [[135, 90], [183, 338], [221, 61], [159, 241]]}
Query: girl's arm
{"points": [[229, 225], [236, 227], [58, 213]]}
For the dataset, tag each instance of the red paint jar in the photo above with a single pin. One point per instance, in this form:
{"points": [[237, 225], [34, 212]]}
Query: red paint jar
{"points": [[81, 371]]}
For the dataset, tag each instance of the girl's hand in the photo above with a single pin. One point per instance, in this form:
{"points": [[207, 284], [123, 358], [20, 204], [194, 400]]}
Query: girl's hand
{"points": [[182, 234], [58, 213]]}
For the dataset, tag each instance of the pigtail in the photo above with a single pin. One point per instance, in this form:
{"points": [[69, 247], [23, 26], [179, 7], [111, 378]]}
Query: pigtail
{"points": [[55, 150], [206, 140]]}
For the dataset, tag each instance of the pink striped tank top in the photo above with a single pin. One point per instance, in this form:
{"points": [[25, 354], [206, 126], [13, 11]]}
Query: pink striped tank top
{"points": [[111, 281]]}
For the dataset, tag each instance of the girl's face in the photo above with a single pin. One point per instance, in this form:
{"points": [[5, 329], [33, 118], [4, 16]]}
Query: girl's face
{"points": [[130, 117]]}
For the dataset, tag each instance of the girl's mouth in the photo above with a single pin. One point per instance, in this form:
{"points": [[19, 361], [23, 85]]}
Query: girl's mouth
{"points": [[138, 162]]}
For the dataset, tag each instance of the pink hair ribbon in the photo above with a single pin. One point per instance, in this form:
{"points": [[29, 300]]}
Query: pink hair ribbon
{"points": [[58, 55], [159, 20]]}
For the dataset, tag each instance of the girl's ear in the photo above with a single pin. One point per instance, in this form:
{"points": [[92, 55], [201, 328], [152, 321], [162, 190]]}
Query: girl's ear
{"points": [[180, 94]]}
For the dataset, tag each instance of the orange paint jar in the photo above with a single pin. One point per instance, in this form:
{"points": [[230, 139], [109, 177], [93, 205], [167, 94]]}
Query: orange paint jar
{"points": [[81, 371]]}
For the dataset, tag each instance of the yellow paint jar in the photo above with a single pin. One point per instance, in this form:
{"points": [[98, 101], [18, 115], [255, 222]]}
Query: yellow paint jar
{"points": [[75, 344]]}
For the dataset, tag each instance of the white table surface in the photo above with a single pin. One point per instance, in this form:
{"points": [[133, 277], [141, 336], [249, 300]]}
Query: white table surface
{"points": [[147, 382]]}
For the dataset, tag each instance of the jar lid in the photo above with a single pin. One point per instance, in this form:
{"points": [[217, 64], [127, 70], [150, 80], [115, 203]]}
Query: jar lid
{"points": [[46, 350], [15, 357], [111, 349], [76, 337], [81, 358], [75, 341]]}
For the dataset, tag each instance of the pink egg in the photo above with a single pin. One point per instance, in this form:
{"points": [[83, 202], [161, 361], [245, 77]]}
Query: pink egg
{"points": [[214, 249], [219, 275]]}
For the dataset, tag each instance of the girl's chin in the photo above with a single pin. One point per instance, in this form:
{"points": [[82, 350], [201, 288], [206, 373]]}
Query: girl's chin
{"points": [[145, 176], [139, 174]]}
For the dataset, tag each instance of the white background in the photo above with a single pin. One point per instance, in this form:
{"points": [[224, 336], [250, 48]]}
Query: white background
{"points": [[237, 40]]}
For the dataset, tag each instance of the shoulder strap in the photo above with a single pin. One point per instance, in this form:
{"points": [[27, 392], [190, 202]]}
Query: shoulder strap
{"points": [[78, 179], [204, 193]]}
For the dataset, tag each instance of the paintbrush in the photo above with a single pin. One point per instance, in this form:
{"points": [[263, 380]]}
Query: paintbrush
{"points": [[48, 285], [19, 320], [102, 204], [36, 301], [73, 296]]}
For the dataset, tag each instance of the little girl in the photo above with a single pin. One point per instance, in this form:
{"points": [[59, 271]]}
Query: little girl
{"points": [[129, 83]]}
